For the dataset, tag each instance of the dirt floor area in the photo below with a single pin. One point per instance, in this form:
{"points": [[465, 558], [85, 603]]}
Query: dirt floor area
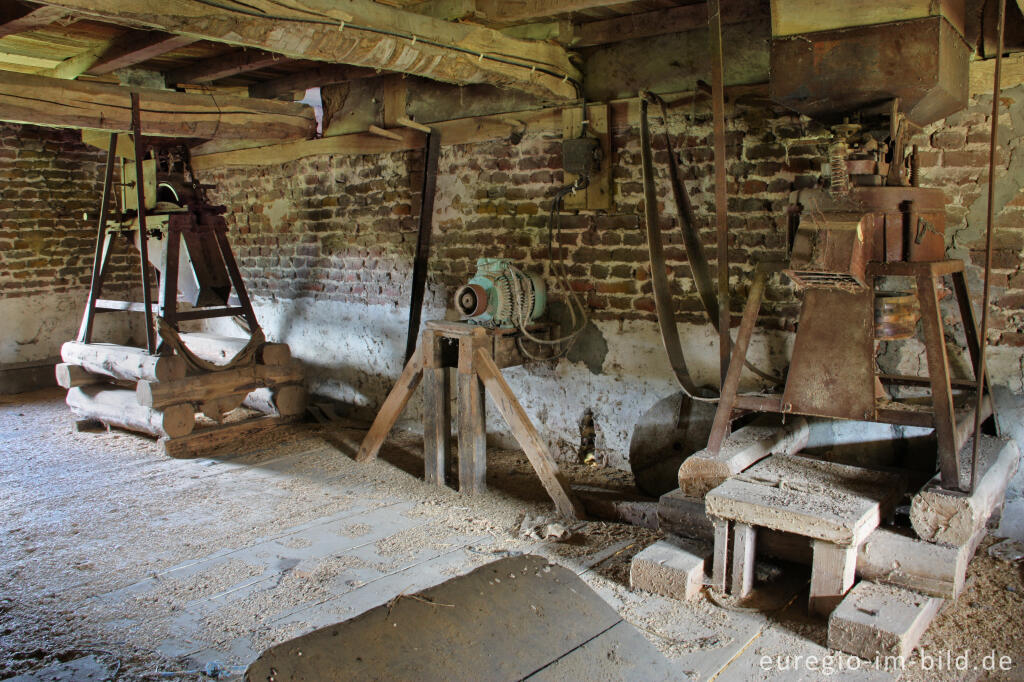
{"points": [[118, 562]]}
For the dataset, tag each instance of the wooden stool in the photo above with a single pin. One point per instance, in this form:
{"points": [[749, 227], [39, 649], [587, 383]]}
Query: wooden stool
{"points": [[481, 353], [835, 505]]}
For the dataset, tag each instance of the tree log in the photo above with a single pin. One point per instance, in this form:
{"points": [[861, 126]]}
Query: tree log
{"points": [[220, 349], [123, 362], [69, 376], [214, 385], [702, 471], [287, 401], [117, 406], [951, 518], [78, 104]]}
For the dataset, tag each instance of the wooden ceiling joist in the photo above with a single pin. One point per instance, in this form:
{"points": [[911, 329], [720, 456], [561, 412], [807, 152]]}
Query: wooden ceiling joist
{"points": [[225, 66], [357, 32], [663, 22], [18, 18], [98, 106], [136, 47], [524, 11], [312, 78]]}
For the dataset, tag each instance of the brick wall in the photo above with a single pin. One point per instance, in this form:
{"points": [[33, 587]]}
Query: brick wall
{"points": [[49, 179], [327, 243], [343, 227]]}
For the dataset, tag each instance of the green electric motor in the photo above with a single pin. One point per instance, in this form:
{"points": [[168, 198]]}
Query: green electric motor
{"points": [[501, 295]]}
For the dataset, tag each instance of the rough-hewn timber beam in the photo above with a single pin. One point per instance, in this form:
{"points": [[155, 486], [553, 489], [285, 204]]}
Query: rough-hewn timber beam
{"points": [[449, 10], [17, 18], [662, 22], [75, 104], [312, 78], [524, 11], [358, 32], [136, 47], [225, 66]]}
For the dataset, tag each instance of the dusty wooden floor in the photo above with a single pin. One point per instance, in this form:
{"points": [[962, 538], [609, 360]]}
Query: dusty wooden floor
{"points": [[114, 557]]}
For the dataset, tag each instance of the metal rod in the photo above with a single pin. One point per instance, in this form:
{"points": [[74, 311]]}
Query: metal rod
{"points": [[990, 219], [96, 286], [721, 198], [140, 194]]}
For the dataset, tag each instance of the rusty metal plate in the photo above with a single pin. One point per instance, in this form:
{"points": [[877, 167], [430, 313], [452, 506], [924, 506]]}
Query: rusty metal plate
{"points": [[832, 372], [831, 74]]}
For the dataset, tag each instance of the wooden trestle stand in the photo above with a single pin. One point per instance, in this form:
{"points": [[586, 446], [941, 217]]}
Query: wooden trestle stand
{"points": [[481, 354]]}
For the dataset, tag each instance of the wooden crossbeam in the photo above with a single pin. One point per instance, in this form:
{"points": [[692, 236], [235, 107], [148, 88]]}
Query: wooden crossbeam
{"points": [[136, 47], [17, 18], [358, 32], [523, 11], [312, 78], [98, 106], [225, 66], [663, 22]]}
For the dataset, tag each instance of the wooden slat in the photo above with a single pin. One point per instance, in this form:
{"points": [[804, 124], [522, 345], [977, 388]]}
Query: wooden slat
{"points": [[16, 19], [73, 104], [225, 66], [661, 22], [360, 32], [527, 437], [392, 408], [137, 47]]}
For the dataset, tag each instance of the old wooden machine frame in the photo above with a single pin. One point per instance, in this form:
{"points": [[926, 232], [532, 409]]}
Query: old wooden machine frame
{"points": [[223, 372]]}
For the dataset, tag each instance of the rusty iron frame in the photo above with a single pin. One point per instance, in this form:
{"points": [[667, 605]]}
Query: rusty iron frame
{"points": [[952, 428]]}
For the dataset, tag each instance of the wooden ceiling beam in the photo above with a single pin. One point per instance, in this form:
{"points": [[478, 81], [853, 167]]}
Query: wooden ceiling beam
{"points": [[57, 103], [136, 47], [358, 32], [225, 66], [312, 78], [18, 18], [662, 22], [525, 11]]}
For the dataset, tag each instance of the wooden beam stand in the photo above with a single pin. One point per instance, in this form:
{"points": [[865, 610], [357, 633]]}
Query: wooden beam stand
{"points": [[476, 370]]}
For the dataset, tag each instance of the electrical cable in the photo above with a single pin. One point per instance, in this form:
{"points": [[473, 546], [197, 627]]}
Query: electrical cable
{"points": [[520, 317]]}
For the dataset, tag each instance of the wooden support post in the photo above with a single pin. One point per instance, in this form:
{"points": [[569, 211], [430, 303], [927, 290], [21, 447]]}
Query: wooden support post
{"points": [[140, 193], [744, 538], [436, 410], [102, 246], [720, 561], [393, 405], [832, 573], [527, 437], [938, 372], [472, 420], [731, 384], [721, 196]]}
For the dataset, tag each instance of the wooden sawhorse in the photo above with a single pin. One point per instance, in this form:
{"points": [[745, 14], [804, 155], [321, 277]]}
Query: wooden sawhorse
{"points": [[480, 352]]}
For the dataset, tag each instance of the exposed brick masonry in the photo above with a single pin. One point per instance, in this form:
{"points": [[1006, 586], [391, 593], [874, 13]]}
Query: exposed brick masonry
{"points": [[50, 179], [344, 227]]}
